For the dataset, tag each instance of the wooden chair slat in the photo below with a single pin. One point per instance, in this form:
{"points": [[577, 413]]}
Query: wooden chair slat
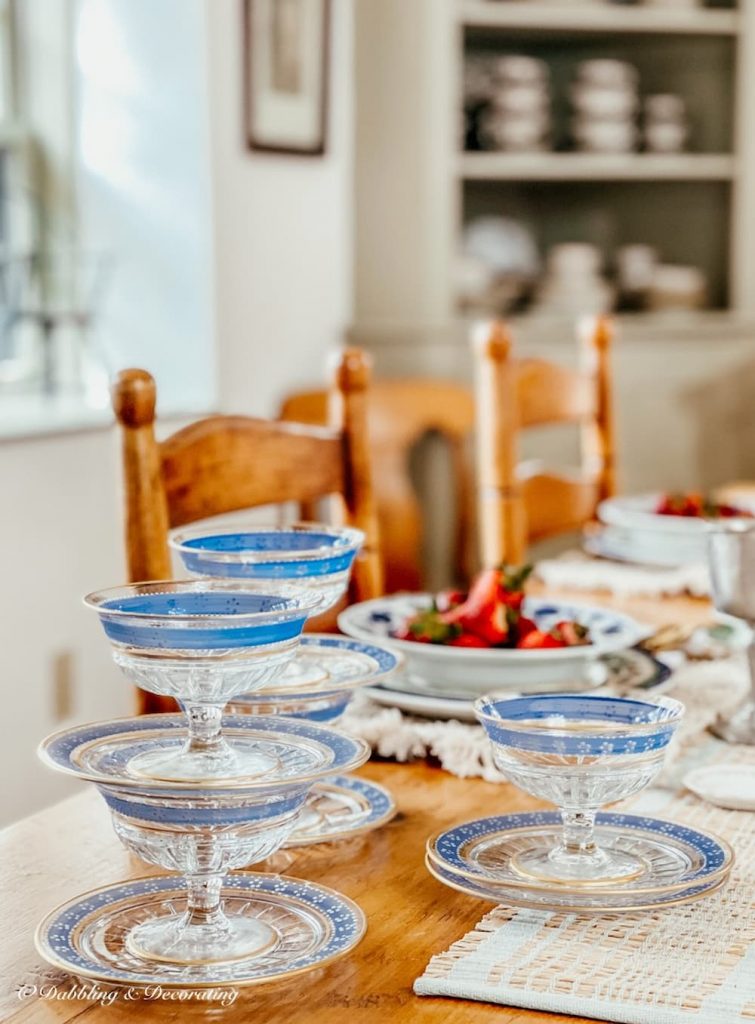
{"points": [[516, 505], [227, 463], [401, 413]]}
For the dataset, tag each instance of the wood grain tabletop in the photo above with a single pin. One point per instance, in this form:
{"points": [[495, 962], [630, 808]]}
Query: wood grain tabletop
{"points": [[70, 848]]}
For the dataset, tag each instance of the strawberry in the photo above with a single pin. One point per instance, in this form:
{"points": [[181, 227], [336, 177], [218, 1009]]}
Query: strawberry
{"points": [[428, 627], [524, 627], [537, 640], [574, 634], [467, 640], [482, 613], [448, 599]]}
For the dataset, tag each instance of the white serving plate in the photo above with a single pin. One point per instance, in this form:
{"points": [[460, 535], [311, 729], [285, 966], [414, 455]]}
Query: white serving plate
{"points": [[477, 671], [626, 669], [653, 548]]}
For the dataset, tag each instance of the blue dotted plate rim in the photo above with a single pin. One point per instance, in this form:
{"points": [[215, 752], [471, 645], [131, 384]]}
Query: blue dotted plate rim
{"points": [[444, 847], [348, 925], [383, 809], [386, 662], [57, 750]]}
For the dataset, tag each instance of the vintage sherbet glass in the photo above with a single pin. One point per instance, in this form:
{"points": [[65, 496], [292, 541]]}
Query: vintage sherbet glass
{"points": [[312, 555], [580, 753], [203, 643], [200, 831]]}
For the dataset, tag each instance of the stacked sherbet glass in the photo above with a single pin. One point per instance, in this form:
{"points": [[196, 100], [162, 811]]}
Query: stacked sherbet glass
{"points": [[201, 795]]}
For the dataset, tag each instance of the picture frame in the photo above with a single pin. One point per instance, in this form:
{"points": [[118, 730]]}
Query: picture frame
{"points": [[286, 75]]}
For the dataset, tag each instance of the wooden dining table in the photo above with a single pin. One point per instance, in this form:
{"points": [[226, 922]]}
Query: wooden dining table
{"points": [[69, 848]]}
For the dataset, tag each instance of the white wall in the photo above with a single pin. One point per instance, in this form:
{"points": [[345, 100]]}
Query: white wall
{"points": [[254, 272], [60, 516], [283, 227]]}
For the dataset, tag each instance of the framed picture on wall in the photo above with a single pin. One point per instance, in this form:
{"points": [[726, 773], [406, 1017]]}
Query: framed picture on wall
{"points": [[286, 55]]}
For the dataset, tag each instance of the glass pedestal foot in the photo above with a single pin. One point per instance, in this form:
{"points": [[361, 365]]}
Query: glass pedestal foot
{"points": [[179, 941]]}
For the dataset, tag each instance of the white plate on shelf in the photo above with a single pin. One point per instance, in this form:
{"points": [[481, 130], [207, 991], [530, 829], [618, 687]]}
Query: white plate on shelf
{"points": [[474, 671]]}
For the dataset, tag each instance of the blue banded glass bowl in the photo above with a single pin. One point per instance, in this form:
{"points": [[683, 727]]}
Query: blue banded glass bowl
{"points": [[204, 616], [579, 752], [317, 556], [203, 642], [173, 824], [577, 724]]}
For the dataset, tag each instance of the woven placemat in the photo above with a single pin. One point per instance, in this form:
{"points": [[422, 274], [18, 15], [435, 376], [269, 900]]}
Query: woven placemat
{"points": [[693, 963]]}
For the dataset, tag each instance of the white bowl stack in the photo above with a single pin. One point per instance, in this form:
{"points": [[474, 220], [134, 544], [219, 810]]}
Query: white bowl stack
{"points": [[605, 101], [518, 116], [665, 126]]}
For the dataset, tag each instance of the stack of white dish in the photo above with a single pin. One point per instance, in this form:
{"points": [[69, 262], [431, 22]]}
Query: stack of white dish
{"points": [[518, 116], [605, 102], [635, 532], [665, 127], [574, 285]]}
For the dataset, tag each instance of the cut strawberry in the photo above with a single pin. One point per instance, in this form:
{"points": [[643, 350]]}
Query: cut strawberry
{"points": [[538, 640], [574, 634], [428, 627], [448, 599], [467, 640]]}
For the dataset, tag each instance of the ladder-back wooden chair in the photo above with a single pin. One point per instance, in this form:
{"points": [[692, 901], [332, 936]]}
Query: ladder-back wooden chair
{"points": [[401, 414], [229, 463], [517, 502]]}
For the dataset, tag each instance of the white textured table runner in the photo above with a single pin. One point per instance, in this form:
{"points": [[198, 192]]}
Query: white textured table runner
{"points": [[578, 571], [693, 963]]}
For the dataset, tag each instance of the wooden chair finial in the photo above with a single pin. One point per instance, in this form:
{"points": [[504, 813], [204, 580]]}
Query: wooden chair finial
{"points": [[134, 398], [353, 369], [492, 340]]}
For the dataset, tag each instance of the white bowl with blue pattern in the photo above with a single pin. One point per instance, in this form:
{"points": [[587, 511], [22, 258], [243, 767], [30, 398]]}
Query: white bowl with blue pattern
{"points": [[478, 670]]}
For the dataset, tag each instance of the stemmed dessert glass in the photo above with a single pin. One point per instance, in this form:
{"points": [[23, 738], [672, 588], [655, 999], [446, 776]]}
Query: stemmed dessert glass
{"points": [[579, 753], [312, 555], [200, 831], [203, 642], [731, 560]]}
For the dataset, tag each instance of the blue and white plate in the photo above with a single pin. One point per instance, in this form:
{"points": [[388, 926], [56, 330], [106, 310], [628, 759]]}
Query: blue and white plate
{"points": [[342, 807], [87, 936], [627, 670], [564, 903], [320, 681], [677, 858], [103, 752], [479, 670]]}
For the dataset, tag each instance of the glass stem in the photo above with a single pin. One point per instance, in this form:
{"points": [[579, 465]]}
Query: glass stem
{"points": [[205, 721], [204, 906], [579, 831]]}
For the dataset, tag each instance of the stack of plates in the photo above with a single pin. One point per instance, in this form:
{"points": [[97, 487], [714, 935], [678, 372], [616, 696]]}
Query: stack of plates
{"points": [[682, 864], [635, 532]]}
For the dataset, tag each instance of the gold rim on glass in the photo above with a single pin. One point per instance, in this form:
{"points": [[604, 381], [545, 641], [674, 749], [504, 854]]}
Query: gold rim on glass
{"points": [[506, 900], [43, 948]]}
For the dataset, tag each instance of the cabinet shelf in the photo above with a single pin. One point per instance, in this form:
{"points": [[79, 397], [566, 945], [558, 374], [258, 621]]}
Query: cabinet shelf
{"points": [[595, 167], [534, 16]]}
